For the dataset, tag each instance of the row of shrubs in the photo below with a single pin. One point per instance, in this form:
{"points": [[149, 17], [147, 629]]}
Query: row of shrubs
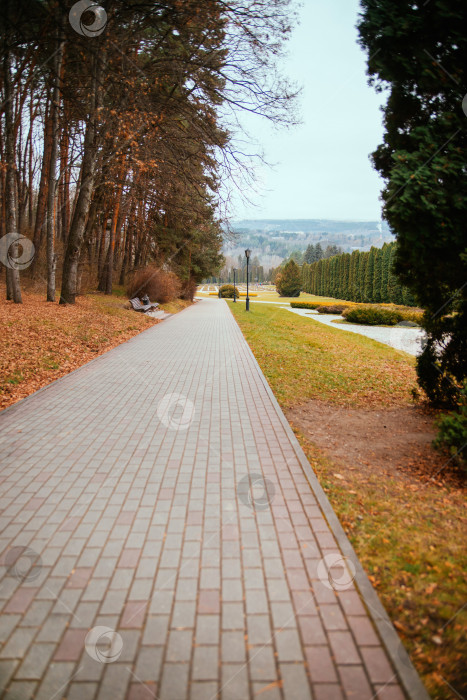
{"points": [[161, 286], [317, 305], [371, 316], [368, 314], [332, 308]]}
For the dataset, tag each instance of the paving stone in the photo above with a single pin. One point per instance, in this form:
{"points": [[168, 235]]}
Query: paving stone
{"points": [[142, 691], [266, 691], [19, 690], [355, 683], [207, 629], [295, 684], [179, 645], [320, 665], [233, 647], [78, 691], [288, 645], [18, 643], [35, 663], [343, 648], [115, 682], [71, 646], [328, 691], [149, 663], [174, 682], [7, 669], [205, 663], [55, 681], [262, 666], [203, 690], [363, 631], [377, 665]]}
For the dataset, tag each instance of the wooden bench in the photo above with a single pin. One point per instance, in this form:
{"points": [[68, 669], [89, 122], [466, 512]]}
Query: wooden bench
{"points": [[136, 305]]}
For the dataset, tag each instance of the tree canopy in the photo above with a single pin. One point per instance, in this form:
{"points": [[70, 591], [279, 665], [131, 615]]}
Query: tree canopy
{"points": [[418, 54], [114, 143]]}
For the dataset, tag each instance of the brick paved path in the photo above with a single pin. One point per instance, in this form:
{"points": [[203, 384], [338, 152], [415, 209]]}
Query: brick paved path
{"points": [[127, 507]]}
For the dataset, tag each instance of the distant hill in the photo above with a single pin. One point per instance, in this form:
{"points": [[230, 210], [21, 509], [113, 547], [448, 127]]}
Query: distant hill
{"points": [[272, 240]]}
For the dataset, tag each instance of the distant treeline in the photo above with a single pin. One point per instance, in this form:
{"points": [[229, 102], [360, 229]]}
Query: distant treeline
{"points": [[257, 274], [357, 276]]}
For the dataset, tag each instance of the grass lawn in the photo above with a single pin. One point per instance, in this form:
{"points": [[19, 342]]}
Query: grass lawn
{"points": [[408, 534], [302, 357], [273, 296]]}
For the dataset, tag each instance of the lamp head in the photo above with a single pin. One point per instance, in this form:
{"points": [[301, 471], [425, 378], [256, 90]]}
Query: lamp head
{"points": [[247, 253]]}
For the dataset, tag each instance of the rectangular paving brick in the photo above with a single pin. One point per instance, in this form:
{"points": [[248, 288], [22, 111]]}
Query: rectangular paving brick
{"points": [[320, 664], [71, 646], [20, 601]]}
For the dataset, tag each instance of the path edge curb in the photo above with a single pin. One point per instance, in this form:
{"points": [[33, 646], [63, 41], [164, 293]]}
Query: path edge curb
{"points": [[406, 671]]}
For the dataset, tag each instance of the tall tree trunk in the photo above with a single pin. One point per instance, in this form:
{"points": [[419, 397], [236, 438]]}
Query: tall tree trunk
{"points": [[65, 180], [2, 188], [127, 245], [54, 109], [83, 202], [109, 263], [30, 173], [126, 235], [12, 272], [42, 195]]}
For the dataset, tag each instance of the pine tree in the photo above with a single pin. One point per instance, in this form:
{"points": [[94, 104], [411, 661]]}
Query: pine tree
{"points": [[319, 254], [346, 283], [394, 287], [289, 282], [377, 274], [309, 256], [361, 275], [419, 52], [385, 272], [369, 272]]}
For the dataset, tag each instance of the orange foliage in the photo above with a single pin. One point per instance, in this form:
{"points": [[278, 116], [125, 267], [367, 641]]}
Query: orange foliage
{"points": [[42, 341]]}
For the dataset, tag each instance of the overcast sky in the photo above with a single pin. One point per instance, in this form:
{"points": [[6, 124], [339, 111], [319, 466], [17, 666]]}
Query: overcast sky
{"points": [[322, 167]]}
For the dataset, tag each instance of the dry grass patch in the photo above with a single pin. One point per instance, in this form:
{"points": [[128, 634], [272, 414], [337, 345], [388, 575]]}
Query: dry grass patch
{"points": [[410, 539], [43, 341]]}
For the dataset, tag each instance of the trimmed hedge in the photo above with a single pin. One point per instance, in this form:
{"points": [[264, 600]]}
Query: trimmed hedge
{"points": [[305, 304], [332, 308], [372, 316]]}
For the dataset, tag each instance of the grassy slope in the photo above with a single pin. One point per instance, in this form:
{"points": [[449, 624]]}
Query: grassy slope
{"points": [[409, 535], [303, 358], [43, 341]]}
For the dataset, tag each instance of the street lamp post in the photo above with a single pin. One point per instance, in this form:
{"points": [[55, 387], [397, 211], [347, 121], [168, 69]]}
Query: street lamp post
{"points": [[235, 296], [247, 253]]}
